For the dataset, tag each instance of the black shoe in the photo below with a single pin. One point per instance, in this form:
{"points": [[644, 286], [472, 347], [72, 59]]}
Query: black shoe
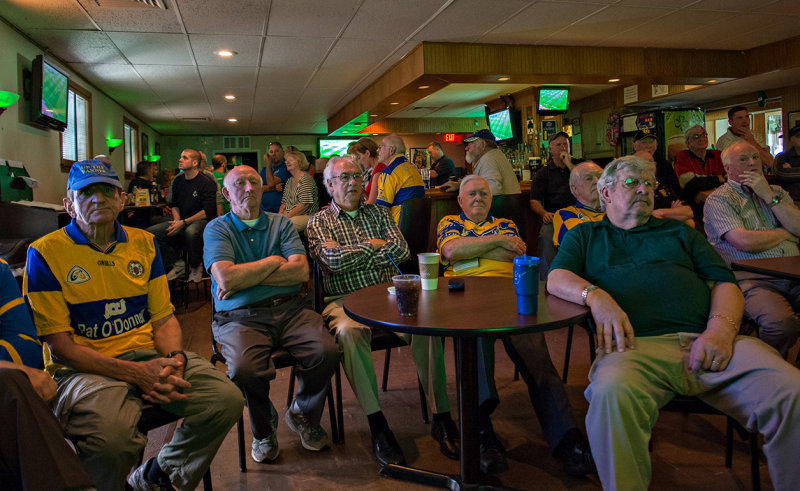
{"points": [[493, 455], [578, 459], [386, 449], [446, 433]]}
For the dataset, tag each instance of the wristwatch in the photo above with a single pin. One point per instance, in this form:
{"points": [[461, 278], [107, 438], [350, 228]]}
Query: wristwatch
{"points": [[585, 292], [776, 200]]}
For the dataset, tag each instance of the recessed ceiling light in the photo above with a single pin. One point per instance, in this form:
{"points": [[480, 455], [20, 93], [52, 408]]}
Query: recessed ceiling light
{"points": [[232, 120], [504, 79], [712, 81], [344, 131], [225, 53], [424, 87], [230, 97], [373, 115], [374, 134], [613, 80], [394, 103]]}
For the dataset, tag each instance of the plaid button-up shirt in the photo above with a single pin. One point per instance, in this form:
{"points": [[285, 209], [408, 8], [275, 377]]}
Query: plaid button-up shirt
{"points": [[353, 263]]}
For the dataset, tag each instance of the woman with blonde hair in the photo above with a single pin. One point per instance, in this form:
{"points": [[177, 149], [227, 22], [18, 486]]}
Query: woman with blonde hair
{"points": [[300, 192]]}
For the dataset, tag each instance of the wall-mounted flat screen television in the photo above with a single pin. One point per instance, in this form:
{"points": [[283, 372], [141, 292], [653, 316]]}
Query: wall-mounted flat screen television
{"points": [[328, 147], [49, 95], [505, 125], [553, 100]]}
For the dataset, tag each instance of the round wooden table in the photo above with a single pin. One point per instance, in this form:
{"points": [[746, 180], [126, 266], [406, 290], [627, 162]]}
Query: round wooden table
{"points": [[486, 307]]}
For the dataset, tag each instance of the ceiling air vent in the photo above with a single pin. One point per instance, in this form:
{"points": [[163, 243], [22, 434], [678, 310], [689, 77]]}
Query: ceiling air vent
{"points": [[194, 120], [131, 4], [235, 142]]}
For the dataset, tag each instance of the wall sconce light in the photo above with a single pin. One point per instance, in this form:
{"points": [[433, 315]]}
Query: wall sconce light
{"points": [[7, 99], [155, 158], [113, 143]]}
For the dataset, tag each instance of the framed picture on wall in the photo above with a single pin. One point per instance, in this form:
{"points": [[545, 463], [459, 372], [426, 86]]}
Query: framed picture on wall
{"points": [[145, 146], [794, 119], [157, 149], [419, 157]]}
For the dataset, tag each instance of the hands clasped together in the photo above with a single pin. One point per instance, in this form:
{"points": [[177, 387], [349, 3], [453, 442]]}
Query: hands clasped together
{"points": [[161, 380]]}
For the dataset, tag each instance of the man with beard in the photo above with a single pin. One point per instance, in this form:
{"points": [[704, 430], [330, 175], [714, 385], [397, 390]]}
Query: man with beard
{"points": [[489, 162]]}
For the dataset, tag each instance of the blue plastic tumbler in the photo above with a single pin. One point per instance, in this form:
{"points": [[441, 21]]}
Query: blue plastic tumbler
{"points": [[526, 284]]}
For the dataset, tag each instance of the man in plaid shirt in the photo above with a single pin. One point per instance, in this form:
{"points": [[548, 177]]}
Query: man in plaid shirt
{"points": [[351, 241]]}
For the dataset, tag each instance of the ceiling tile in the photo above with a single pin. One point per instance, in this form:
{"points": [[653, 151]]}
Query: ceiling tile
{"points": [[535, 24], [121, 76], [153, 48], [291, 77], [304, 17], [468, 20], [135, 19], [173, 79], [282, 52], [667, 31], [27, 14], [601, 24], [79, 46], [219, 77], [246, 47], [217, 16], [390, 19]]}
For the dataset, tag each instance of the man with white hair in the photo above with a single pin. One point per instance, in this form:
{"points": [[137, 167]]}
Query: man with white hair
{"points": [[355, 243], [489, 162], [583, 185], [400, 180], [676, 335], [746, 218], [699, 169]]}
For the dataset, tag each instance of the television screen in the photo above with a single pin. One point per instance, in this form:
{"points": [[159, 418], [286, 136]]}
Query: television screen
{"points": [[328, 147], [500, 125], [50, 89], [553, 99]]}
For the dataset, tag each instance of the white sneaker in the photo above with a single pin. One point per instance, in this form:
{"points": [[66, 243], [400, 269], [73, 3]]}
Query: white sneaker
{"points": [[313, 437], [266, 449], [177, 270], [196, 274]]}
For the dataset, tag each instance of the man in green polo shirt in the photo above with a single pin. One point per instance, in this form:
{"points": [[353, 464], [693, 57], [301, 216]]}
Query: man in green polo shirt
{"points": [[667, 311]]}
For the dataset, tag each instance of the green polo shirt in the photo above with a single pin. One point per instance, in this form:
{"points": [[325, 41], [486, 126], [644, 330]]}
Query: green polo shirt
{"points": [[659, 273]]}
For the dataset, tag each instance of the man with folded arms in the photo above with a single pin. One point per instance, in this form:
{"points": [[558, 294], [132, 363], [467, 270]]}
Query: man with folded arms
{"points": [[677, 335], [354, 243], [478, 244], [257, 266], [746, 218], [100, 300], [583, 185]]}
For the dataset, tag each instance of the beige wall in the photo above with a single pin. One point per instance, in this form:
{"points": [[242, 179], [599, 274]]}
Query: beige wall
{"points": [[38, 149]]}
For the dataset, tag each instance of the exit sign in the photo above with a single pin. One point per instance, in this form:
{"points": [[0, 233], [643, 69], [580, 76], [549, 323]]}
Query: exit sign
{"points": [[450, 137]]}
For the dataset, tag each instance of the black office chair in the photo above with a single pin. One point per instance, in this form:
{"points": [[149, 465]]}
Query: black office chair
{"points": [[513, 207], [689, 404], [153, 416]]}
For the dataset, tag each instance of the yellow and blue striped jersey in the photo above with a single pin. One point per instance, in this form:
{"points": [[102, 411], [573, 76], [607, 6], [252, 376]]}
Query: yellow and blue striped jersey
{"points": [[106, 299], [454, 227], [398, 182], [18, 343]]}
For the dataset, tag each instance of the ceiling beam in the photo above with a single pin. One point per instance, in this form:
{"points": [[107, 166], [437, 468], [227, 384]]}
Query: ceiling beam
{"points": [[437, 65]]}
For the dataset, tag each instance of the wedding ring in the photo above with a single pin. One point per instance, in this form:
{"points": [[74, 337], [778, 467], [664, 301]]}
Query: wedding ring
{"points": [[715, 362]]}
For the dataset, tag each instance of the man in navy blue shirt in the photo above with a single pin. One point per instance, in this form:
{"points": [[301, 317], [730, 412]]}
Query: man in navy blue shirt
{"points": [[273, 175]]}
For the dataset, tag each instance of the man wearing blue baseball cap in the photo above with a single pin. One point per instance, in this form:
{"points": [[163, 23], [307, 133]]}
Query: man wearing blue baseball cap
{"points": [[100, 301], [489, 162]]}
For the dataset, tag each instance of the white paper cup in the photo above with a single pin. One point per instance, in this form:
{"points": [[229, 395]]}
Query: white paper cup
{"points": [[429, 269]]}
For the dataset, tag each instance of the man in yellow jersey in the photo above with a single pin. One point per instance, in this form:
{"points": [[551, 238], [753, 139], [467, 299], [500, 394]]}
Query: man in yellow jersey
{"points": [[475, 243], [100, 300], [400, 180]]}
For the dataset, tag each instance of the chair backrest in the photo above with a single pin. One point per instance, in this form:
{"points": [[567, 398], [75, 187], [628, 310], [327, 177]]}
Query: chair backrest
{"points": [[513, 207], [415, 219], [319, 286], [323, 198]]}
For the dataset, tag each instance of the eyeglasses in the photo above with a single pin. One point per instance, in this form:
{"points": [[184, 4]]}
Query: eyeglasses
{"points": [[697, 136], [345, 177], [631, 183]]}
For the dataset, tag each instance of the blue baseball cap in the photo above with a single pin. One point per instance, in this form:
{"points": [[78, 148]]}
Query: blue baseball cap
{"points": [[88, 172], [484, 134]]}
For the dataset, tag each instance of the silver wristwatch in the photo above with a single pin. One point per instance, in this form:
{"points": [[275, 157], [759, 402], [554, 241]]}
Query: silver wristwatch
{"points": [[585, 292]]}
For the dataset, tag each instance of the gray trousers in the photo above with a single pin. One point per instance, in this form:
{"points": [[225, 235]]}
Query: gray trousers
{"points": [[529, 353], [247, 337], [546, 249], [100, 415], [758, 389], [191, 237], [772, 303]]}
